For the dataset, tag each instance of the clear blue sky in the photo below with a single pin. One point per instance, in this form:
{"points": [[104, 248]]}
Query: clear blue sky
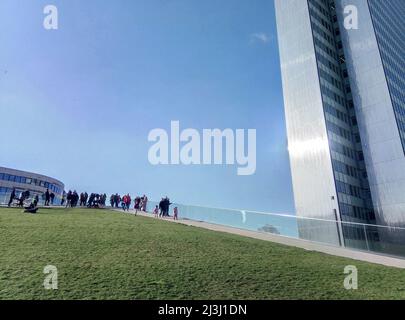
{"points": [[78, 103]]}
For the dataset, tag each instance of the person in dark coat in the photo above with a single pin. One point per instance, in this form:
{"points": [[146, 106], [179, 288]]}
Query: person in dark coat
{"points": [[81, 199], [86, 197], [166, 206], [12, 196], [75, 199], [47, 197], [69, 199], [161, 208], [117, 200]]}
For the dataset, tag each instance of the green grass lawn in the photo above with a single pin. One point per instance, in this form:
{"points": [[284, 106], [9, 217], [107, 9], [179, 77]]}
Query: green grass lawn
{"points": [[102, 254]]}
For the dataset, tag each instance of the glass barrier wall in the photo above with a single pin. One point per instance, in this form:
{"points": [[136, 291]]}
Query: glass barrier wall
{"points": [[374, 238], [380, 239]]}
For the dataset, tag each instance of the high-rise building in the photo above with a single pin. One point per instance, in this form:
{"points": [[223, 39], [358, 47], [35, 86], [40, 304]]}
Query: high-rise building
{"points": [[345, 111]]}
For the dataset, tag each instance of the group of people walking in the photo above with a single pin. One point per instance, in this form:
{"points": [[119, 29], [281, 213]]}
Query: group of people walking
{"points": [[49, 198], [25, 195], [164, 206], [95, 200], [115, 200], [164, 211], [32, 206], [140, 203]]}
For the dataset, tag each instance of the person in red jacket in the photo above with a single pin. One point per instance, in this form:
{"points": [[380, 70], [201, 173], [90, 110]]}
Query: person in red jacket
{"points": [[128, 201], [124, 202]]}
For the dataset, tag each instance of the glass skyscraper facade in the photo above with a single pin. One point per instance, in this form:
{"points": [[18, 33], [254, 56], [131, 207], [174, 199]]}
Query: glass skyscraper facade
{"points": [[329, 133], [341, 123], [388, 22]]}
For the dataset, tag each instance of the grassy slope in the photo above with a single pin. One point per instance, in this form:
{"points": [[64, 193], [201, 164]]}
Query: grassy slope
{"points": [[110, 255]]}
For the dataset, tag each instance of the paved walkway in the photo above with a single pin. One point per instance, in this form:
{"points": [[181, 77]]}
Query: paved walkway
{"points": [[299, 243]]}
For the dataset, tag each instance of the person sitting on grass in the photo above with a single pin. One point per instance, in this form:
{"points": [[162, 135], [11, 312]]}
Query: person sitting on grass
{"points": [[33, 207]]}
